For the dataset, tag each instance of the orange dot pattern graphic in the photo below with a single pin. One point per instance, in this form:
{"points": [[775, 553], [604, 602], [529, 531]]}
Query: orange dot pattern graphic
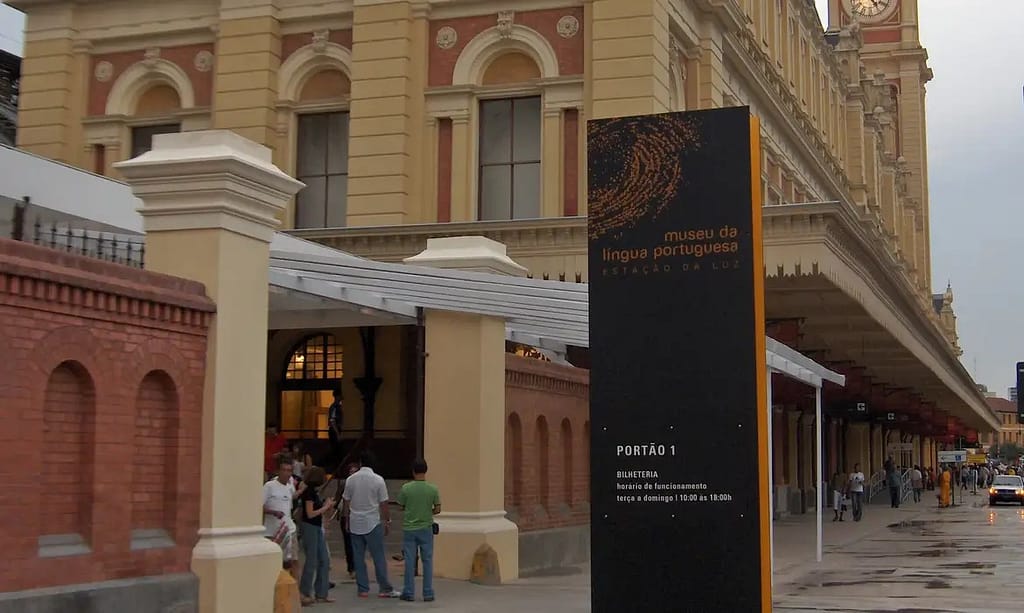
{"points": [[636, 168]]}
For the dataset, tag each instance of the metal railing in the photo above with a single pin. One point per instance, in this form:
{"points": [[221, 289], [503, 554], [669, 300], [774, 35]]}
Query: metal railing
{"points": [[876, 484], [123, 249]]}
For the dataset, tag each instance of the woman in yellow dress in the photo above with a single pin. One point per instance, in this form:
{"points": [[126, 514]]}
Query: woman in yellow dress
{"points": [[945, 487]]}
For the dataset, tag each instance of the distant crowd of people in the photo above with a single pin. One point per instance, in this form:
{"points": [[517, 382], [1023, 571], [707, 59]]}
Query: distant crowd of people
{"points": [[848, 490], [295, 509]]}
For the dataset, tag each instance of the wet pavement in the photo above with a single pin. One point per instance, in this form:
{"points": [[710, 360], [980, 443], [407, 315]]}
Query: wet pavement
{"points": [[962, 559], [916, 559]]}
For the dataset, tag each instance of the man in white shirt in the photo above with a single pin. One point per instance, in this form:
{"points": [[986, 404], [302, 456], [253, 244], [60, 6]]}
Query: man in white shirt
{"points": [[368, 519], [278, 525], [857, 492]]}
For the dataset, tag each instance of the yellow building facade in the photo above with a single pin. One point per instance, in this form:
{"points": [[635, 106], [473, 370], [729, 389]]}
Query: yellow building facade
{"points": [[418, 97], [416, 119]]}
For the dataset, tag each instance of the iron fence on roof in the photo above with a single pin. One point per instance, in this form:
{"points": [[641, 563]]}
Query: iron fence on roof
{"points": [[31, 227]]}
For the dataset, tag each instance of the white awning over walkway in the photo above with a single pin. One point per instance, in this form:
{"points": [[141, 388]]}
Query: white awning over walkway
{"points": [[546, 314]]}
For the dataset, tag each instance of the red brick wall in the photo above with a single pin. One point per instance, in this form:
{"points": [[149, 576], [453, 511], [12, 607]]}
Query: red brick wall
{"points": [[547, 444], [102, 367]]}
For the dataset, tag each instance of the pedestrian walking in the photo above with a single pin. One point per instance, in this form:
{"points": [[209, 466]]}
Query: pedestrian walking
{"points": [[421, 501], [350, 558], [368, 518], [895, 481], [839, 486], [857, 492], [945, 487], [917, 482], [278, 525], [318, 560]]}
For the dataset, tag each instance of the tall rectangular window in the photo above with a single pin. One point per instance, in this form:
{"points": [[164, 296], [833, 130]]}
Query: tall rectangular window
{"points": [[509, 173], [142, 136], [322, 164]]}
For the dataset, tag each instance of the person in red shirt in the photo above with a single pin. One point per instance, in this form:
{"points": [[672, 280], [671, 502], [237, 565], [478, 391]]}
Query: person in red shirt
{"points": [[274, 444]]}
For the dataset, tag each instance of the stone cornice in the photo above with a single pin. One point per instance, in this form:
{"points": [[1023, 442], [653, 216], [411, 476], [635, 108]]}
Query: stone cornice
{"points": [[80, 285], [543, 376], [393, 243]]}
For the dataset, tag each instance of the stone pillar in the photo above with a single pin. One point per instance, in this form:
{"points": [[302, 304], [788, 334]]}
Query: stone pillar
{"points": [[210, 201], [857, 442], [389, 38], [551, 170], [792, 449], [464, 441], [463, 144], [629, 57], [54, 77], [712, 78], [778, 447], [248, 57], [808, 478], [878, 450], [835, 460]]}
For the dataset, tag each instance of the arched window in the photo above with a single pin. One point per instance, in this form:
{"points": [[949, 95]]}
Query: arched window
{"points": [[314, 371], [318, 357]]}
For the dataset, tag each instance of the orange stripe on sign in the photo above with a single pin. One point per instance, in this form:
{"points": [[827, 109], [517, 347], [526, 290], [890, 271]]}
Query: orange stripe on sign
{"points": [[760, 361]]}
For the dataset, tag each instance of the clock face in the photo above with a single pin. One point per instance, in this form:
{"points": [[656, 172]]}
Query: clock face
{"points": [[872, 9]]}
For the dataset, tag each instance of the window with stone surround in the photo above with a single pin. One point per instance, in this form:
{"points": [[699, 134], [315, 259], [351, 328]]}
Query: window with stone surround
{"points": [[509, 158], [322, 164], [142, 136]]}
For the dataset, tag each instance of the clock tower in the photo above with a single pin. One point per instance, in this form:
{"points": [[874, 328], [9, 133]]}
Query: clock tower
{"points": [[891, 55]]}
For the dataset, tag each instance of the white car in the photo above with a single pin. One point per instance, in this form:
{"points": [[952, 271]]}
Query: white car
{"points": [[1006, 488]]}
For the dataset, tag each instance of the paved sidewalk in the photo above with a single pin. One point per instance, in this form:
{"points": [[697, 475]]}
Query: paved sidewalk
{"points": [[795, 536], [568, 589]]}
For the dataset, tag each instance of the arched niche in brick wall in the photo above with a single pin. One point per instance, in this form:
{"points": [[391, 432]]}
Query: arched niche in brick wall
{"points": [[68, 435], [542, 447], [514, 463], [565, 438], [154, 461]]}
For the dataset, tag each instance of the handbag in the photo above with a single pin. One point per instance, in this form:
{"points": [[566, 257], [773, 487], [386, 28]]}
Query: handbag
{"points": [[435, 527]]}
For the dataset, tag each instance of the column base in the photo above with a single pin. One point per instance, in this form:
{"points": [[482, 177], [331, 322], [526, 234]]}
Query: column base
{"points": [[237, 569], [462, 534]]}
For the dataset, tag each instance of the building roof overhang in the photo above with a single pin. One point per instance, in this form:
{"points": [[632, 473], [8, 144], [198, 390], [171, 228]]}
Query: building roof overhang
{"points": [[864, 296]]}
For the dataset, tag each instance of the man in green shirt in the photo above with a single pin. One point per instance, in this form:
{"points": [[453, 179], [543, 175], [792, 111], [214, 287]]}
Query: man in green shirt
{"points": [[421, 501]]}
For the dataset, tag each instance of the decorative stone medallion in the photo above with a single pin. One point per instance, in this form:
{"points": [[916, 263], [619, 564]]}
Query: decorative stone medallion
{"points": [[203, 61], [568, 26], [446, 37], [103, 71]]}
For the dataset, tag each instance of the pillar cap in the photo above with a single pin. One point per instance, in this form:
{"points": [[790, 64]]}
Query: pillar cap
{"points": [[474, 253], [209, 179]]}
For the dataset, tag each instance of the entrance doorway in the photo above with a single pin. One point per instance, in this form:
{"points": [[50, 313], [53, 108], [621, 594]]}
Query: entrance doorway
{"points": [[314, 370]]}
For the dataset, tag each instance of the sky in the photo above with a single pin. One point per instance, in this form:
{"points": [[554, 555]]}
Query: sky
{"points": [[975, 107]]}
